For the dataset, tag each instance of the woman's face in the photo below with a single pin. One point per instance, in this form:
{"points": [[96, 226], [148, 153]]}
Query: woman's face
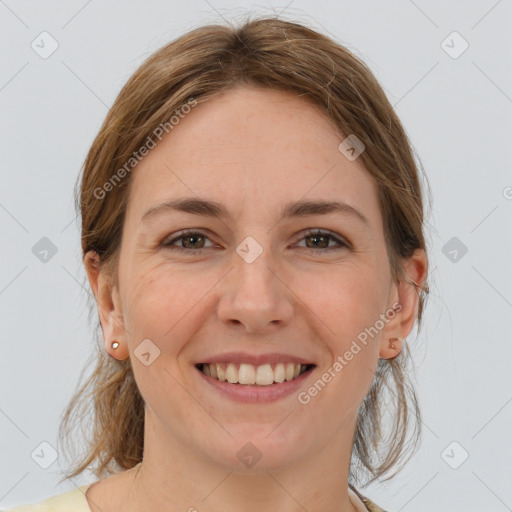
{"points": [[254, 285]]}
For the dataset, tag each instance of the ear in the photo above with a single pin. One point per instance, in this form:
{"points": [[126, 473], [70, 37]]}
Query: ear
{"points": [[405, 296], [109, 306]]}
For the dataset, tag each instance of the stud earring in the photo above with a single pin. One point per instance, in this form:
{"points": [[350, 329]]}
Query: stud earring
{"points": [[115, 344], [391, 342]]}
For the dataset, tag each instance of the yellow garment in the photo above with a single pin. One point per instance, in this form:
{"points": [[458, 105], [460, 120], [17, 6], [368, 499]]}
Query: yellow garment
{"points": [[75, 501], [363, 500], [71, 501]]}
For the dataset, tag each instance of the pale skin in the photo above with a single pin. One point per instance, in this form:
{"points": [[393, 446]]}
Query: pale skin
{"points": [[252, 150]]}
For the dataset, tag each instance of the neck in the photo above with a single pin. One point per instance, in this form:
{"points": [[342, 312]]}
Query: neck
{"points": [[183, 479]]}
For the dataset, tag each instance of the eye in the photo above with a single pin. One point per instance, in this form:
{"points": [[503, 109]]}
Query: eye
{"points": [[194, 241], [187, 236], [322, 238]]}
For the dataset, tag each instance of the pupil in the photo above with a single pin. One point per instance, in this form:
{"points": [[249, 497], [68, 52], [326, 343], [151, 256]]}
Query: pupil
{"points": [[192, 237], [316, 237]]}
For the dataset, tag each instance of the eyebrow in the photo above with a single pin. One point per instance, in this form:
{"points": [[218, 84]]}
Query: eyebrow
{"points": [[215, 209]]}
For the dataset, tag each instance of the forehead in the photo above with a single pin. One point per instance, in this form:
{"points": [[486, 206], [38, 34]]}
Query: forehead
{"points": [[253, 150]]}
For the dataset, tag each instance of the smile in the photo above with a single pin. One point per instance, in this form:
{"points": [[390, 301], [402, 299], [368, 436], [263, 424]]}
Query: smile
{"points": [[248, 374]]}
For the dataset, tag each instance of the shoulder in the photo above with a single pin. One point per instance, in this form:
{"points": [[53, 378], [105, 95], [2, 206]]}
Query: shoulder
{"points": [[372, 507], [369, 504], [71, 501]]}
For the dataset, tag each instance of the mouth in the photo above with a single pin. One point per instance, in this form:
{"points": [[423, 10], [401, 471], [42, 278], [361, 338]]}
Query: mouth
{"points": [[245, 374]]}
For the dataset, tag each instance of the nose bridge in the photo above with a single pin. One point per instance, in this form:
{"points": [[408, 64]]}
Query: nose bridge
{"points": [[253, 261], [254, 295]]}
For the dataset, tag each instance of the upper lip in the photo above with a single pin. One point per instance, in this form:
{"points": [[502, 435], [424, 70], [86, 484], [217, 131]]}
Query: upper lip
{"points": [[254, 359]]}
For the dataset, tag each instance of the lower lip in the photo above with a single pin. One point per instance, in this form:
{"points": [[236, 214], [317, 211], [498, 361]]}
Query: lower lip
{"points": [[257, 394]]}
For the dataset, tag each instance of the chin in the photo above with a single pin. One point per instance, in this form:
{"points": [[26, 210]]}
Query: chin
{"points": [[256, 449]]}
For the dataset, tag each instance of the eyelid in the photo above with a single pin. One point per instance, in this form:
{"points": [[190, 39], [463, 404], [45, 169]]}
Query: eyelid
{"points": [[342, 242], [166, 242]]}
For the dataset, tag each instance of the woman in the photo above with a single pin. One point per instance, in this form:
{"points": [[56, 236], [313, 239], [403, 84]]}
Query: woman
{"points": [[252, 230]]}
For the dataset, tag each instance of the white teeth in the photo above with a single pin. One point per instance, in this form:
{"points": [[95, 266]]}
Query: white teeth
{"points": [[289, 371], [248, 374], [264, 375], [231, 373], [220, 373], [279, 372]]}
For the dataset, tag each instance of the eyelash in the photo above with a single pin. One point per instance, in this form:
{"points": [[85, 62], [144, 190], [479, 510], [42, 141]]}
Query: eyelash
{"points": [[168, 244]]}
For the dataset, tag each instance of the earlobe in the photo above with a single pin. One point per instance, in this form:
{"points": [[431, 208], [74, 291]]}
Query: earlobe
{"points": [[109, 307], [118, 350], [392, 348]]}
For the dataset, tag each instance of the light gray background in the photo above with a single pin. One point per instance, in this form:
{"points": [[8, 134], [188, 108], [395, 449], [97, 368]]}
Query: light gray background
{"points": [[457, 112]]}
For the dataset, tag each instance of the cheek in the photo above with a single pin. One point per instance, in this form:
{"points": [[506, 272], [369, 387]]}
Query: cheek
{"points": [[159, 307], [163, 303], [348, 304], [346, 298]]}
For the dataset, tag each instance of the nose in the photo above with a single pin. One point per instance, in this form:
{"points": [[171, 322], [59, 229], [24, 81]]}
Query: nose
{"points": [[255, 296]]}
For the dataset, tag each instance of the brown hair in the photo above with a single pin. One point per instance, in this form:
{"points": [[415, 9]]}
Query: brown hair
{"points": [[284, 56]]}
